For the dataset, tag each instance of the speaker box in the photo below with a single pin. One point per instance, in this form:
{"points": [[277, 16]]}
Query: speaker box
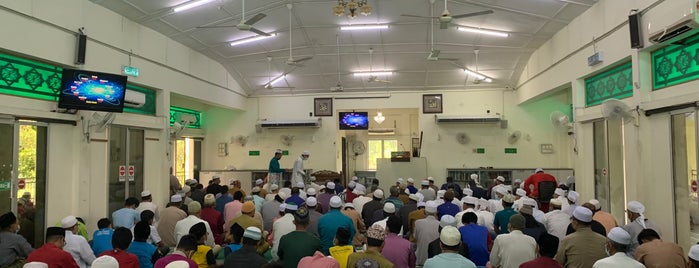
{"points": [[503, 124], [635, 30], [80, 49]]}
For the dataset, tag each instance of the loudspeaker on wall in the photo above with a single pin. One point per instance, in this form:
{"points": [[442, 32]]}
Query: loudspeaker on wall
{"points": [[80, 49], [635, 30]]}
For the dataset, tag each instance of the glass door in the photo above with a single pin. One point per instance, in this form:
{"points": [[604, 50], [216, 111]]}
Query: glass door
{"points": [[609, 171], [684, 159], [125, 165], [9, 135]]}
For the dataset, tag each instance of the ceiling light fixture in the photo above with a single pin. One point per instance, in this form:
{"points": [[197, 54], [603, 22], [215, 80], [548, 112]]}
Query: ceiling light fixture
{"points": [[352, 6], [478, 75], [364, 27], [373, 73], [191, 4], [279, 78], [379, 118], [482, 31], [251, 39]]}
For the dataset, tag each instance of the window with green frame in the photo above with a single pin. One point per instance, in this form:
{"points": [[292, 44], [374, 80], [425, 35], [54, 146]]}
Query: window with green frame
{"points": [[617, 83], [676, 63]]}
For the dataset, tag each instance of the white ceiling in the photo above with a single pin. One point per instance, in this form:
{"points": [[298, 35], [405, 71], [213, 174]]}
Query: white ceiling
{"points": [[403, 48]]}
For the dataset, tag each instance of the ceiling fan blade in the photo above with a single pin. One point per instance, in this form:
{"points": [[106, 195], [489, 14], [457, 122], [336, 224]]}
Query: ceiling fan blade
{"points": [[457, 64], [418, 16], [486, 12], [257, 31], [443, 25], [303, 59], [449, 59], [255, 19], [213, 27]]}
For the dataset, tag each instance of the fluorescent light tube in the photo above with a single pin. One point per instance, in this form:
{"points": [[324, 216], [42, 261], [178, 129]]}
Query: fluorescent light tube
{"points": [[251, 39], [364, 27], [373, 73], [280, 78], [191, 4], [482, 31], [478, 76]]}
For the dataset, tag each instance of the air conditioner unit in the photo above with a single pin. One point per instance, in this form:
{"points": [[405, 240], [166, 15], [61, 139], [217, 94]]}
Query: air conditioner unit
{"points": [[185, 119], [468, 119], [134, 99], [682, 28], [381, 131], [304, 123]]}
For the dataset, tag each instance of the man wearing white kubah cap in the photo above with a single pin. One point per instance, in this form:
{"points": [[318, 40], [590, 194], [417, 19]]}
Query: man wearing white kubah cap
{"points": [[637, 222], [617, 245], [583, 247], [299, 174]]}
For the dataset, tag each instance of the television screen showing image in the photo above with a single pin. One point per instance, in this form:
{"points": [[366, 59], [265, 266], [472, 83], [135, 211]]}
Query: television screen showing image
{"points": [[87, 90], [354, 120]]}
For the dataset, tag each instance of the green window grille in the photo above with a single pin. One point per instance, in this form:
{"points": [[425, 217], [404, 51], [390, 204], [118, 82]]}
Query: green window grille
{"points": [[614, 83], [37, 80], [175, 110], [676, 63]]}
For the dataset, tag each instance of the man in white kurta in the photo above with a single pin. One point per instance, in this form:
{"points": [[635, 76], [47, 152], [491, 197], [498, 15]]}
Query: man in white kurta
{"points": [[298, 173], [618, 243], [182, 226], [76, 245]]}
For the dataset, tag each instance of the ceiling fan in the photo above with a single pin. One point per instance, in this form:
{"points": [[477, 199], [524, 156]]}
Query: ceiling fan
{"points": [[270, 81], [434, 53], [291, 61], [374, 78], [245, 25], [338, 87], [446, 18]]}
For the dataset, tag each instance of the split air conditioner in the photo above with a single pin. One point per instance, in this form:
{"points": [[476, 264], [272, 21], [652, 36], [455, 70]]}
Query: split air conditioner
{"points": [[303, 123], [468, 119], [134, 99], [682, 28]]}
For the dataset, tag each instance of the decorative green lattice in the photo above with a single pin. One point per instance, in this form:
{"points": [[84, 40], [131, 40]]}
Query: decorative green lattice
{"points": [[29, 79], [676, 63], [614, 83], [37, 80], [175, 110]]}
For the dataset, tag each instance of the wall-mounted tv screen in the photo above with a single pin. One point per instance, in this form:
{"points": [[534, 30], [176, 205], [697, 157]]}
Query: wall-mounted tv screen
{"points": [[354, 120], [87, 90]]}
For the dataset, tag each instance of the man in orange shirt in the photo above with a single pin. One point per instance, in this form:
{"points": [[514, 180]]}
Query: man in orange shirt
{"points": [[603, 217]]}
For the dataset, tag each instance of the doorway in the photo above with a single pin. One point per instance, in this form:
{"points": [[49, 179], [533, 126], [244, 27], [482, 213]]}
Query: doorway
{"points": [[125, 165], [684, 159], [187, 158], [609, 163]]}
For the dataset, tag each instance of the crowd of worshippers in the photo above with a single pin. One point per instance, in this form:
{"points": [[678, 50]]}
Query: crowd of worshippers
{"points": [[408, 224]]}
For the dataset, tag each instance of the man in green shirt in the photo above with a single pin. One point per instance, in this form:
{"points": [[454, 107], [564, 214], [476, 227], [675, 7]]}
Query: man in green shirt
{"points": [[299, 243], [372, 256], [502, 218], [275, 172]]}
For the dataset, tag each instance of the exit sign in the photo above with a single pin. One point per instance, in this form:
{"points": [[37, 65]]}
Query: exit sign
{"points": [[510, 150], [130, 71], [5, 185], [480, 150], [253, 153]]}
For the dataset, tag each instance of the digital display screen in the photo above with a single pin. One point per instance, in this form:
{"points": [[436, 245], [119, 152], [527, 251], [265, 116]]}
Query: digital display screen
{"points": [[354, 120], [87, 90]]}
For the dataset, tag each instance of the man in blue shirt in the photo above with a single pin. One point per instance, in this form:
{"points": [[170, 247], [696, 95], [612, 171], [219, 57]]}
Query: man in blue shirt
{"points": [[142, 249], [476, 237], [502, 218], [452, 185], [275, 172], [102, 238], [330, 222], [127, 216], [448, 208]]}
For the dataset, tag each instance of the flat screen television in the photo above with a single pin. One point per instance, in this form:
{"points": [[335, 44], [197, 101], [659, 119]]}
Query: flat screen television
{"points": [[354, 120], [87, 90]]}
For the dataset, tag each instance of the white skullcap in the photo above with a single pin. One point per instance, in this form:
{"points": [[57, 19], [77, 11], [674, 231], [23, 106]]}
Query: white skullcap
{"points": [[215, 177], [389, 207], [278, 151], [521, 192], [431, 207], [620, 236], [413, 197], [538, 170], [186, 189], [311, 201], [190, 181], [559, 192], [508, 188], [311, 191], [582, 214], [450, 236], [36, 264], [421, 204], [274, 187], [425, 183], [378, 193], [430, 179], [145, 193], [177, 264], [104, 262], [282, 207], [358, 192], [259, 182], [468, 192], [555, 202], [573, 196], [447, 220], [474, 176], [595, 203], [501, 190], [401, 181], [349, 205], [518, 181], [354, 178], [231, 181], [352, 184], [68, 222], [693, 253], [176, 198], [282, 195], [300, 185], [440, 193], [306, 153], [470, 200], [253, 233], [330, 185], [500, 178], [256, 189], [335, 202], [410, 180], [636, 207], [420, 197]]}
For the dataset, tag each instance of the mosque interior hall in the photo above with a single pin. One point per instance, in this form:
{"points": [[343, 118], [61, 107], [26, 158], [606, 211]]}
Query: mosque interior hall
{"points": [[101, 100]]}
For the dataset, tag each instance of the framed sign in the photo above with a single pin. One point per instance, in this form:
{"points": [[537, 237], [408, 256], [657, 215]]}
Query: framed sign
{"points": [[432, 103], [323, 107]]}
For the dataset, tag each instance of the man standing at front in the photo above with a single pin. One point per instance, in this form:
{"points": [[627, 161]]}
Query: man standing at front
{"points": [[299, 174], [76, 245], [275, 172]]}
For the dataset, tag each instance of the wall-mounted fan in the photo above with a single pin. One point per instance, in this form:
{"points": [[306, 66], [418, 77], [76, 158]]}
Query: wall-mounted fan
{"points": [[614, 109], [358, 147], [462, 138], [176, 130], [101, 122], [287, 139], [240, 139], [560, 121], [514, 137]]}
